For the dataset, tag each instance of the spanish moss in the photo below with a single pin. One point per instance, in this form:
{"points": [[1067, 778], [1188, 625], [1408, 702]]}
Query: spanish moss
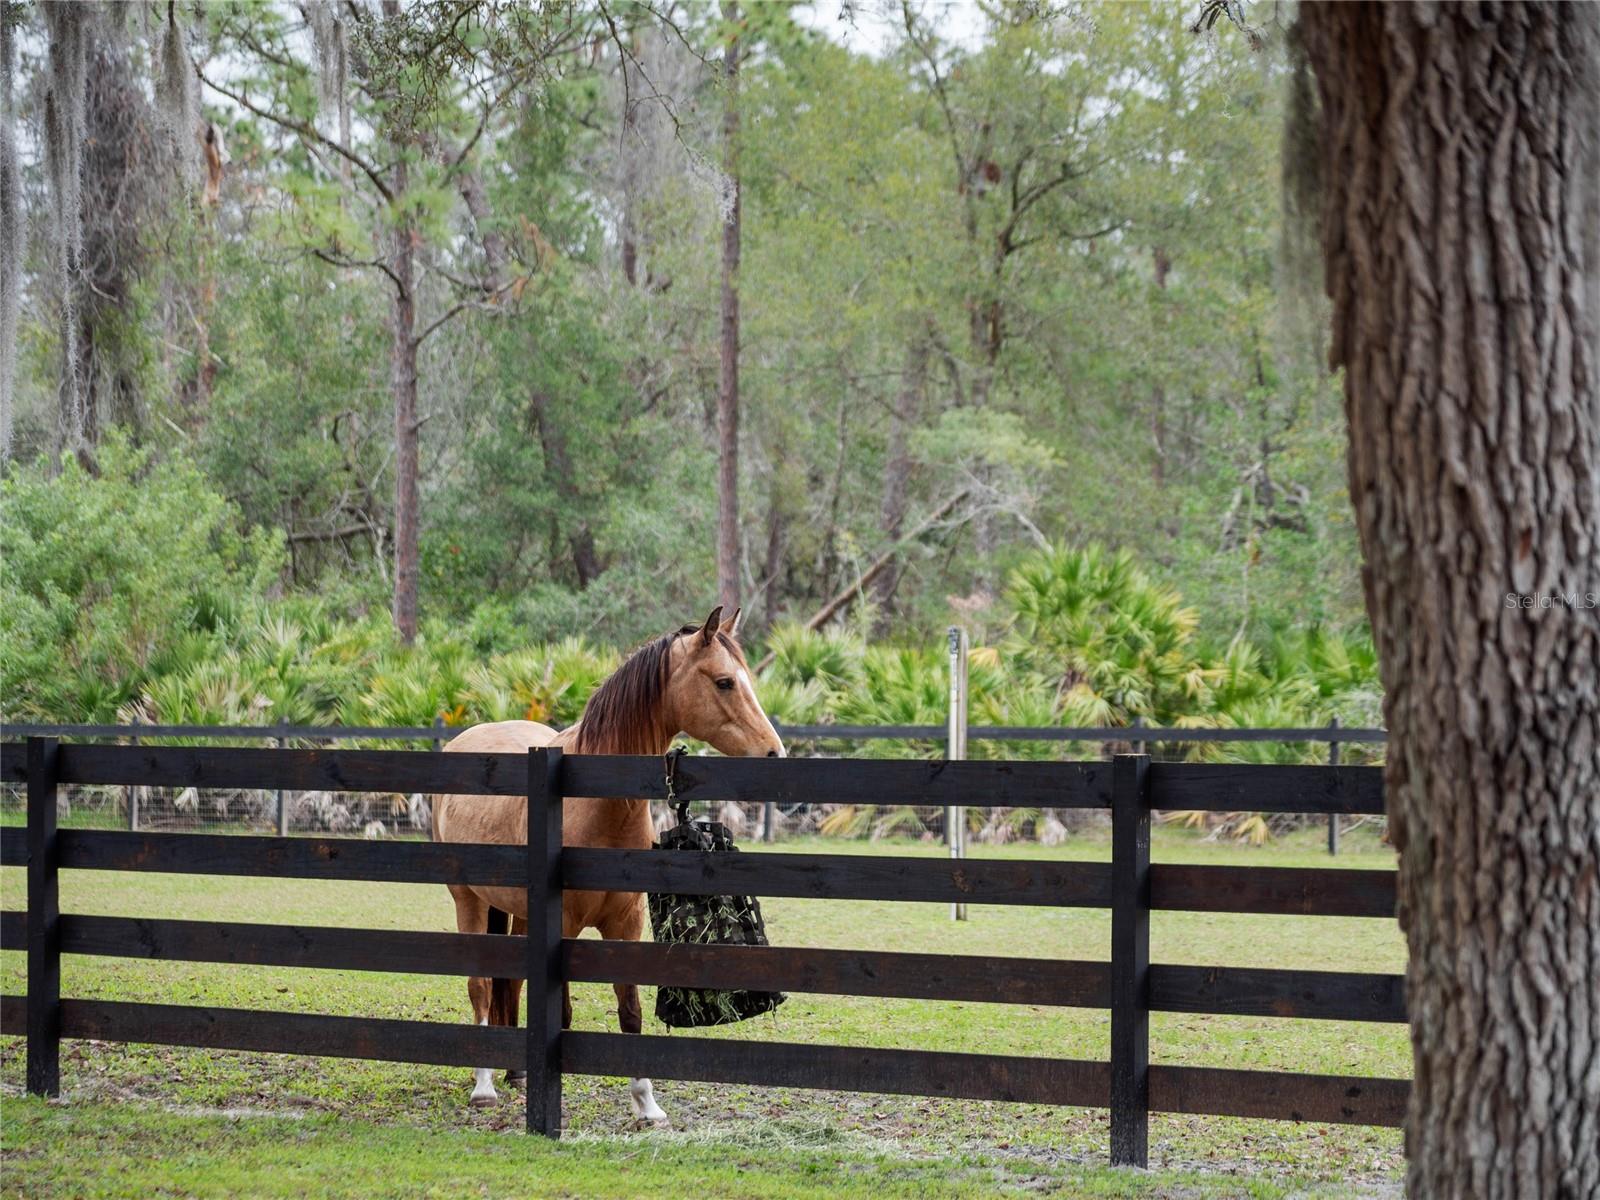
{"points": [[67, 26], [330, 40], [177, 97]]}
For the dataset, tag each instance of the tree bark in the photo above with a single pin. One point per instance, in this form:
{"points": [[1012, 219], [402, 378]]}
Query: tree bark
{"points": [[728, 389], [1457, 156], [403, 386]]}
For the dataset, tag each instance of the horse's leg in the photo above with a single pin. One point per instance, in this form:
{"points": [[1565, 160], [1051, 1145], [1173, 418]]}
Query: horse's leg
{"points": [[508, 1001], [629, 926], [472, 916]]}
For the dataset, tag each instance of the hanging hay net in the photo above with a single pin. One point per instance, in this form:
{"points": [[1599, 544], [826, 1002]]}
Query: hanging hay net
{"points": [[707, 920]]}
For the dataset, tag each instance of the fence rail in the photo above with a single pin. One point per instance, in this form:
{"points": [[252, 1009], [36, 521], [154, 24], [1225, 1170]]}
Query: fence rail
{"points": [[439, 732], [1129, 985]]}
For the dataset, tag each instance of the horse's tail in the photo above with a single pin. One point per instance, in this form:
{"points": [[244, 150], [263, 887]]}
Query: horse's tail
{"points": [[502, 999]]}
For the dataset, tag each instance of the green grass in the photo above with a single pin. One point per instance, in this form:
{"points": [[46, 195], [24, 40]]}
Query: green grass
{"points": [[793, 1140], [147, 1152]]}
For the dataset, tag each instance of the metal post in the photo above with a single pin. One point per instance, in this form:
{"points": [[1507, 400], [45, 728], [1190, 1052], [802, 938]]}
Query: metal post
{"points": [[1140, 746], [438, 731], [1333, 818], [955, 816], [544, 942], [283, 807], [769, 814], [1130, 960], [44, 920]]}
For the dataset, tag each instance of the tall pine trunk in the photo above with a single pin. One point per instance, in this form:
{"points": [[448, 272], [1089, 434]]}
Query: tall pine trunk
{"points": [[728, 388], [403, 387], [1457, 158]]}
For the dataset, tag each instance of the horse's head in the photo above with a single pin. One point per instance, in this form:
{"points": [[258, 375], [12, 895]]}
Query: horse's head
{"points": [[709, 693]]}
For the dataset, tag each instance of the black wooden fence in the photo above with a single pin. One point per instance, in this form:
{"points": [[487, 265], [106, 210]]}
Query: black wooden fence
{"points": [[1130, 886], [1137, 733]]}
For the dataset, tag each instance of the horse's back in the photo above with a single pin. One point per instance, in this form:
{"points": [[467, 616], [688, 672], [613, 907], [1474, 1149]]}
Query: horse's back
{"points": [[501, 737], [487, 818]]}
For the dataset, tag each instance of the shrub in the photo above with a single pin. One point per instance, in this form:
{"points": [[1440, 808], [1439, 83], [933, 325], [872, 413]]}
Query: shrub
{"points": [[104, 578]]}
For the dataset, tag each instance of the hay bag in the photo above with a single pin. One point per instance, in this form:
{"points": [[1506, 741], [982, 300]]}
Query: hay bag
{"points": [[706, 920]]}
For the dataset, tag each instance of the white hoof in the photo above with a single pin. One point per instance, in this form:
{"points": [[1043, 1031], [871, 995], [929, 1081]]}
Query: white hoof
{"points": [[642, 1099], [483, 1093]]}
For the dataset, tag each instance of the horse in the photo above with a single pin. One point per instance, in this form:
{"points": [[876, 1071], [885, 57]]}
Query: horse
{"points": [[694, 681]]}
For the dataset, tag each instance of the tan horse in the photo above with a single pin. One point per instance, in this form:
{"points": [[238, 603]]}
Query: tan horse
{"points": [[694, 681]]}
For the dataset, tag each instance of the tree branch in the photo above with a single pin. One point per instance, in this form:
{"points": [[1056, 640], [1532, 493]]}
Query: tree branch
{"points": [[875, 568], [450, 313], [339, 260], [303, 129]]}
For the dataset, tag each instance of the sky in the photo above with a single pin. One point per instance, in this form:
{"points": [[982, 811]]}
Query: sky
{"points": [[866, 26]]}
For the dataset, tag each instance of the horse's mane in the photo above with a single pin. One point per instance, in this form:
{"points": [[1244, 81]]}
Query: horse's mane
{"points": [[624, 714]]}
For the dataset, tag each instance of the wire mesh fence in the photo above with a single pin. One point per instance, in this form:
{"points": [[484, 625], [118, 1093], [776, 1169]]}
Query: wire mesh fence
{"points": [[397, 815]]}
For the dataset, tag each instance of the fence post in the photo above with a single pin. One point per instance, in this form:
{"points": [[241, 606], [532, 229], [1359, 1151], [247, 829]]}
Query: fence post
{"points": [[1333, 818], [283, 807], [544, 941], [1130, 960], [769, 813], [44, 920], [133, 790], [438, 731], [1140, 746]]}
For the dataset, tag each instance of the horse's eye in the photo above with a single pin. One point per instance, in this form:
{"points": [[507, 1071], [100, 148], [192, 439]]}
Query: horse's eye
{"points": [[725, 684]]}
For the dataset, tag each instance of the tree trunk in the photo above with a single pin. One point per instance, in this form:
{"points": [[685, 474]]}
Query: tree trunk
{"points": [[194, 399], [11, 237], [897, 474], [631, 150], [470, 186], [403, 385], [728, 389], [1457, 157], [1158, 394], [777, 538], [558, 470]]}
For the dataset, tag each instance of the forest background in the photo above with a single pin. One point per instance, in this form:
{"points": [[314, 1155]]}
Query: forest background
{"points": [[365, 362]]}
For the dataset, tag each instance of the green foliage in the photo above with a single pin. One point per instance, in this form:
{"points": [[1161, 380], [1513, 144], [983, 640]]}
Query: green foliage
{"points": [[105, 579], [802, 656], [1116, 644], [1036, 267]]}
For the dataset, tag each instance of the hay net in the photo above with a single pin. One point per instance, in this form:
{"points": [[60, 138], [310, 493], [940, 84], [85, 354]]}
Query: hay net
{"points": [[707, 920]]}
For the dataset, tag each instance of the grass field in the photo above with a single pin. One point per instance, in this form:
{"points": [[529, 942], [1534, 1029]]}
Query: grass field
{"points": [[138, 1120]]}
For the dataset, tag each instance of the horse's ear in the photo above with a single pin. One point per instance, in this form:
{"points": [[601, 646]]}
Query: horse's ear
{"points": [[731, 625], [709, 630]]}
